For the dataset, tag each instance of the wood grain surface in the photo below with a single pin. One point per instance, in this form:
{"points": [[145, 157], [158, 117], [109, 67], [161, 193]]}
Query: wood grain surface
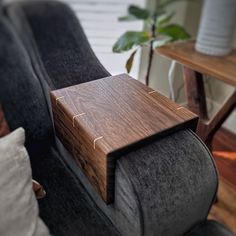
{"points": [[195, 92], [222, 68], [100, 120], [224, 211], [224, 151]]}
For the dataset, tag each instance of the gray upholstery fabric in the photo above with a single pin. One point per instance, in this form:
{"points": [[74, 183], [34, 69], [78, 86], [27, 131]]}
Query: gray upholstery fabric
{"points": [[59, 48], [210, 228], [67, 208], [164, 188], [124, 213], [21, 94]]}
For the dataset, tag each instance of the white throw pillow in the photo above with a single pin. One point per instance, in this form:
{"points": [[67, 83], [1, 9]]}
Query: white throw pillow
{"points": [[18, 205]]}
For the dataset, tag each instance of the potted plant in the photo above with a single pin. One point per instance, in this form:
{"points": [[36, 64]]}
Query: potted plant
{"points": [[158, 31]]}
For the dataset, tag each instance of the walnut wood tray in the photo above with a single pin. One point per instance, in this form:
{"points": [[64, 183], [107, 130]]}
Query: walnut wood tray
{"points": [[98, 121]]}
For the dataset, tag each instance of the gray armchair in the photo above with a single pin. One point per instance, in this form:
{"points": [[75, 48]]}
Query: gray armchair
{"points": [[165, 188]]}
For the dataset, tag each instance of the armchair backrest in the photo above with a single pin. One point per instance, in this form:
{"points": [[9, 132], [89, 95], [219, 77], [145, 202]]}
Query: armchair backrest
{"points": [[21, 94], [54, 38]]}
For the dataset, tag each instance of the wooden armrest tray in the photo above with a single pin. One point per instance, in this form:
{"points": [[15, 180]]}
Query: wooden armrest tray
{"points": [[98, 121]]}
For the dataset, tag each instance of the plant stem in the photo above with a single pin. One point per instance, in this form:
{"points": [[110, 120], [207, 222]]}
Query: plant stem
{"points": [[150, 56]]}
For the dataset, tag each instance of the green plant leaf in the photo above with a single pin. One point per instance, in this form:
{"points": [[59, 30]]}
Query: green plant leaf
{"points": [[161, 42], [176, 32], [127, 18], [129, 62], [139, 13], [165, 3], [130, 39], [164, 19]]}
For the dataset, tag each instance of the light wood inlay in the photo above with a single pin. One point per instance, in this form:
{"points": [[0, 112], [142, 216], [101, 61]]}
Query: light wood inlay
{"points": [[120, 114]]}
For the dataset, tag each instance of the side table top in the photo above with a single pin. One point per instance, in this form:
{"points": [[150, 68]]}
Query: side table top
{"points": [[222, 68]]}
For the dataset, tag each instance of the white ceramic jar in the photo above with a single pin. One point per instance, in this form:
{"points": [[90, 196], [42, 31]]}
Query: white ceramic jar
{"points": [[217, 27]]}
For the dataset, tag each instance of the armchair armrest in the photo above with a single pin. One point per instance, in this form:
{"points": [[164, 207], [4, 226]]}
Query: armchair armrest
{"points": [[164, 188]]}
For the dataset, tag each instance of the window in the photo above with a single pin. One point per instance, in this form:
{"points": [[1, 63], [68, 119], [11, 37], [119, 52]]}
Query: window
{"points": [[99, 19]]}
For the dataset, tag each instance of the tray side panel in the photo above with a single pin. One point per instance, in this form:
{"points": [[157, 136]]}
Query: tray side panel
{"points": [[92, 161]]}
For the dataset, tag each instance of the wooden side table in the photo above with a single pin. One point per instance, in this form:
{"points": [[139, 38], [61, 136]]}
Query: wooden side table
{"points": [[195, 65]]}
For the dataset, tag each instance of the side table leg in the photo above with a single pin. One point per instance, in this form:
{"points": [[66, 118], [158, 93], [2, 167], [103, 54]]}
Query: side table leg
{"points": [[210, 127], [195, 92], [196, 99]]}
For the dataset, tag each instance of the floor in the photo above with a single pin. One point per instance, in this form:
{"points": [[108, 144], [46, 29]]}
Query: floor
{"points": [[224, 151]]}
